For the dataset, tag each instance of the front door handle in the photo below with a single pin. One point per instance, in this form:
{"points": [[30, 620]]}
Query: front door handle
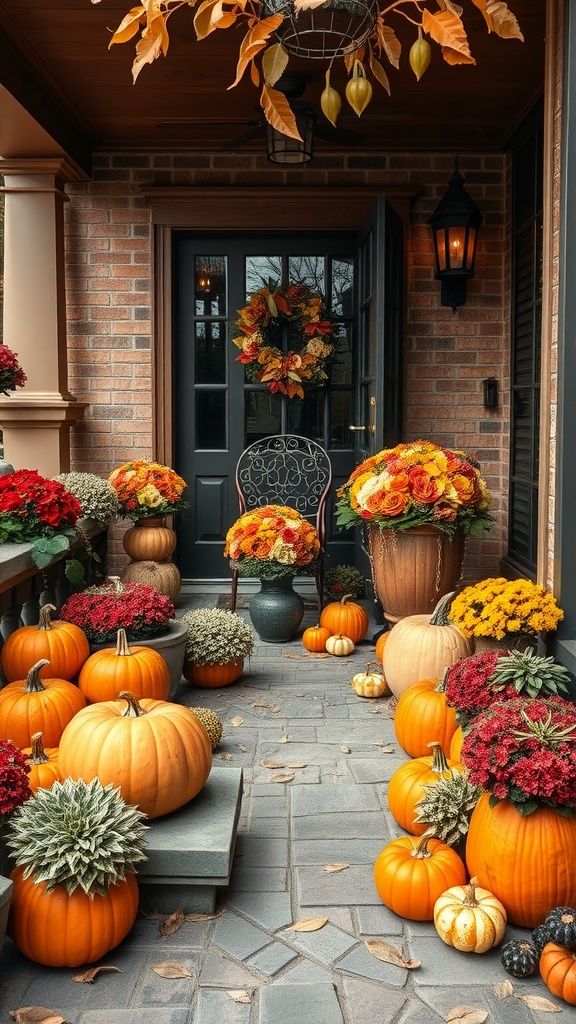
{"points": [[371, 429], [356, 428]]}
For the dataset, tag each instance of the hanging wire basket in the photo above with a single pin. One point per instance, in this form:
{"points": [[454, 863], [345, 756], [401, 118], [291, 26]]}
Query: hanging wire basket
{"points": [[333, 30]]}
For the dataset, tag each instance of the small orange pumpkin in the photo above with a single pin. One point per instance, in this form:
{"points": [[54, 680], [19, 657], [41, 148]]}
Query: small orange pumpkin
{"points": [[34, 705], [411, 874], [346, 617], [63, 645], [423, 715], [558, 971], [149, 540], [405, 786], [314, 638], [213, 675], [43, 764], [141, 670]]}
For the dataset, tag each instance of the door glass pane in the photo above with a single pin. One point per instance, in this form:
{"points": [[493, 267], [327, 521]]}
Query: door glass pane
{"points": [[263, 415], [210, 285], [341, 362], [260, 270], [210, 352], [210, 419], [308, 270], [342, 287], [340, 419]]}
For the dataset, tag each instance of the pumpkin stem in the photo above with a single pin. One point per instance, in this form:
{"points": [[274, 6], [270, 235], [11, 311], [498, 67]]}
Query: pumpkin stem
{"points": [[134, 708], [38, 755], [439, 616], [45, 621], [421, 850], [117, 583], [439, 762], [347, 597], [122, 648], [441, 687], [470, 890], [33, 682]]}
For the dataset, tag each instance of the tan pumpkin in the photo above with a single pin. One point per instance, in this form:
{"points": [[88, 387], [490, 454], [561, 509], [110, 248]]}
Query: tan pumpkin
{"points": [[346, 617], [470, 918], [162, 575], [421, 646], [339, 645], [150, 540], [369, 684], [423, 715]]}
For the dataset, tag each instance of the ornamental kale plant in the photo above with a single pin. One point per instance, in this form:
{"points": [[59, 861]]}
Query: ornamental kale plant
{"points": [[136, 607]]}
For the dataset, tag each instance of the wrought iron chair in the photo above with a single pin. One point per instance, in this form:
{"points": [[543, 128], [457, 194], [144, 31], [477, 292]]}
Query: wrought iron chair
{"points": [[286, 469]]}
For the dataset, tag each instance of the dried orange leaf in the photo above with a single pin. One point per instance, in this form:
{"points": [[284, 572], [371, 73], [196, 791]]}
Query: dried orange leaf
{"points": [[331, 869], [260, 704], [311, 654], [389, 42], [272, 764], [236, 721], [239, 995], [225, 757], [274, 63], [283, 778], [539, 1003], [285, 738], [446, 29], [308, 924], [88, 976], [345, 749], [242, 747], [380, 76], [275, 709], [172, 923], [205, 917], [389, 954], [503, 989], [254, 41], [297, 764], [171, 969], [36, 1015], [128, 27], [466, 1015]]}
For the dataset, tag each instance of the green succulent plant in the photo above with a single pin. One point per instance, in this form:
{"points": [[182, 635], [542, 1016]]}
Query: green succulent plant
{"points": [[530, 674], [79, 835], [447, 805], [216, 636]]}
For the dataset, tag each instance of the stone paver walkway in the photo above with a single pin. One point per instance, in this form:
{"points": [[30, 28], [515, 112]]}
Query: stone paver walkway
{"points": [[299, 713]]}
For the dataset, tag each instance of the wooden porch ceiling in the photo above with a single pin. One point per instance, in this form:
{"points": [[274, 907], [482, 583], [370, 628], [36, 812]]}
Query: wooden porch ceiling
{"points": [[55, 62]]}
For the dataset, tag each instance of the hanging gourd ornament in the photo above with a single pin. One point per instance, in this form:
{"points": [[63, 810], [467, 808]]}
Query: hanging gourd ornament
{"points": [[339, 645], [469, 918], [358, 89], [330, 101], [369, 684]]}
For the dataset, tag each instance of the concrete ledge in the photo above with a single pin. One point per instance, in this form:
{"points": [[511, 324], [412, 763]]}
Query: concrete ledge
{"points": [[5, 896], [190, 851]]}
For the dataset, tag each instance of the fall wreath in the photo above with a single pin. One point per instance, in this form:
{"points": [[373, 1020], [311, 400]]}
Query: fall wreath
{"points": [[285, 372]]}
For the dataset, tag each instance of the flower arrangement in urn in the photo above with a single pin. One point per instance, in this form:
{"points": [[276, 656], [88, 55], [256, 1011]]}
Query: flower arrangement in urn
{"points": [[146, 490], [272, 542], [12, 375], [97, 497], [139, 609], [417, 484], [499, 608], [216, 640]]}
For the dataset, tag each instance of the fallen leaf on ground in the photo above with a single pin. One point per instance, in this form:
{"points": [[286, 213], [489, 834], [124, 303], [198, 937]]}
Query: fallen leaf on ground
{"points": [[285, 739], [272, 764], [331, 869], [236, 721], [345, 749], [275, 709], [326, 704], [242, 747], [308, 924], [387, 750], [375, 711], [204, 917], [260, 704], [332, 773], [540, 1003], [289, 654], [389, 954], [283, 778], [37, 1015], [320, 654], [151, 915], [239, 995], [225, 757], [88, 976], [466, 1015], [172, 923], [171, 969], [503, 989], [297, 764]]}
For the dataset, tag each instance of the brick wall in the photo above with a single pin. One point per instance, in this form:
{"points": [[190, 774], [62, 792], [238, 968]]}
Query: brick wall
{"points": [[447, 355]]}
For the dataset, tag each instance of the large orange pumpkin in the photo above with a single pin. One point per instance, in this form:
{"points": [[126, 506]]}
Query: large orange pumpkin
{"points": [[411, 874], [527, 862], [456, 745], [141, 670], [38, 705], [157, 752], [421, 646], [345, 617], [60, 643], [423, 715], [558, 971], [65, 930], [405, 786], [43, 764]]}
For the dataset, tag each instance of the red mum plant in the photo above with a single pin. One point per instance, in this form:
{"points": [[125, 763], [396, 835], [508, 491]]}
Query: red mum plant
{"points": [[101, 611], [12, 375], [467, 686], [525, 751], [14, 771], [33, 508]]}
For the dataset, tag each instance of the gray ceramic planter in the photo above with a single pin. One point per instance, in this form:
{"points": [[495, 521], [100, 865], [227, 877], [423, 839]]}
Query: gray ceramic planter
{"points": [[171, 646]]}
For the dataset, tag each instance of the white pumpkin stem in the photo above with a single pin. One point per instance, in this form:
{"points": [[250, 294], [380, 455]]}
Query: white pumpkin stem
{"points": [[122, 648], [45, 621], [439, 616]]}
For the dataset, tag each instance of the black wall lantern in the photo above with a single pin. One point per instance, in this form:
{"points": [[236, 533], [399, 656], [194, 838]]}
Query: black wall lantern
{"points": [[455, 224], [282, 149]]}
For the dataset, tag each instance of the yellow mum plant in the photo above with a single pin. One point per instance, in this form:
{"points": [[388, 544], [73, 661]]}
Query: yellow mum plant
{"points": [[497, 607]]}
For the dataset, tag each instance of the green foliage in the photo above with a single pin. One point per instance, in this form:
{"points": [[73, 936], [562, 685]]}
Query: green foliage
{"points": [[530, 674]]}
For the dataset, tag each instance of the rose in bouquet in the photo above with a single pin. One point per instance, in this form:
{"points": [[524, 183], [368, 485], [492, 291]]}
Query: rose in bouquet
{"points": [[498, 607], [147, 489], [35, 509], [12, 375], [14, 771], [139, 609], [272, 542], [417, 484], [525, 751]]}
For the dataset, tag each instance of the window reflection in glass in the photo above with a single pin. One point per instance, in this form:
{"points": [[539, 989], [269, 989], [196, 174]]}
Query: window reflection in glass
{"points": [[210, 285], [309, 270], [211, 419], [263, 415], [341, 361], [260, 270], [210, 352], [342, 287], [340, 419]]}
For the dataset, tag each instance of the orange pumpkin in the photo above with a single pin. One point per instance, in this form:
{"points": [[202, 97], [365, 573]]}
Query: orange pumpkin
{"points": [[149, 540], [405, 787], [157, 752], [411, 874], [65, 930], [62, 644], [212, 675], [423, 715], [527, 862], [345, 617], [43, 764], [381, 644], [421, 646], [38, 705], [558, 971], [141, 670], [456, 745], [314, 638]]}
